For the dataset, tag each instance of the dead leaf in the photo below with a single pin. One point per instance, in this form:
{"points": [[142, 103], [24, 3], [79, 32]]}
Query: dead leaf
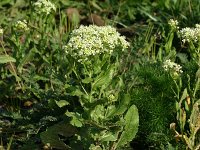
{"points": [[96, 19], [73, 15]]}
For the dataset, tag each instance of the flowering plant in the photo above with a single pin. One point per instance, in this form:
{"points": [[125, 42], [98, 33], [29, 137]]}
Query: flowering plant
{"points": [[21, 25], [44, 6], [173, 24], [191, 36], [174, 68], [92, 40], [107, 117]]}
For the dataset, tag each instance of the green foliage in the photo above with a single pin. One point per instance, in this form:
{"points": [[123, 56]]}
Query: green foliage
{"points": [[187, 108], [155, 101], [49, 100], [5, 59], [131, 126], [51, 135]]}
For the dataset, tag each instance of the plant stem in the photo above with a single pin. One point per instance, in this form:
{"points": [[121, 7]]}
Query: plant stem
{"points": [[12, 67], [80, 82]]}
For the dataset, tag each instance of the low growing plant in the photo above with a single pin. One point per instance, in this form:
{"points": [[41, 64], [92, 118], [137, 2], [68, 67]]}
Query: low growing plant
{"points": [[188, 114], [102, 113]]}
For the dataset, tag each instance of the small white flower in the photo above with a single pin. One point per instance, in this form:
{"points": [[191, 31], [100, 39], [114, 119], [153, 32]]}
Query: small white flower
{"points": [[190, 34], [173, 23], [92, 40], [168, 65], [44, 6], [21, 25]]}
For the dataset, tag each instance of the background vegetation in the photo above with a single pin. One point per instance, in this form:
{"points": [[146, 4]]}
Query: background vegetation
{"points": [[44, 92]]}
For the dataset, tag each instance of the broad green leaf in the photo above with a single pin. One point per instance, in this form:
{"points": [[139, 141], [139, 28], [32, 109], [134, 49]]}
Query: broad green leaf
{"points": [[51, 135], [184, 95], [123, 105], [87, 80], [183, 57], [186, 106], [172, 54], [198, 73], [5, 59], [62, 103], [76, 122], [110, 111], [195, 114], [108, 136], [93, 147], [104, 79], [131, 126], [98, 113], [76, 92], [76, 118]]}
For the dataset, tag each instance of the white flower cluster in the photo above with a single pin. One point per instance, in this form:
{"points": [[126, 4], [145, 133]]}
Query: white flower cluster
{"points": [[173, 23], [1, 31], [44, 6], [93, 40], [190, 34], [171, 66], [21, 25]]}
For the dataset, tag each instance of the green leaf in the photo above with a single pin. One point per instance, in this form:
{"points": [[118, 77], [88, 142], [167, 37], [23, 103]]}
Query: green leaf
{"points": [[104, 79], [198, 73], [98, 113], [131, 126], [6, 2], [93, 147], [51, 135], [76, 122], [76, 118], [76, 92], [108, 136], [87, 80], [168, 45], [184, 95], [194, 117], [26, 59], [62, 103], [183, 57], [5, 59], [123, 105], [20, 3], [172, 54]]}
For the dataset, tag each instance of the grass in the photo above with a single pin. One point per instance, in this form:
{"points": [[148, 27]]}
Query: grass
{"points": [[49, 100]]}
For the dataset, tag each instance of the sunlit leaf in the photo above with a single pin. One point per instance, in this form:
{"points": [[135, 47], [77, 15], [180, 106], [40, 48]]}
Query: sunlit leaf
{"points": [[131, 126], [62, 103], [6, 59]]}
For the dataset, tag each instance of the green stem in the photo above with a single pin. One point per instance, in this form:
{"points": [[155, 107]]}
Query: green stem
{"points": [[95, 124], [12, 67], [80, 82], [90, 96], [196, 87]]}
